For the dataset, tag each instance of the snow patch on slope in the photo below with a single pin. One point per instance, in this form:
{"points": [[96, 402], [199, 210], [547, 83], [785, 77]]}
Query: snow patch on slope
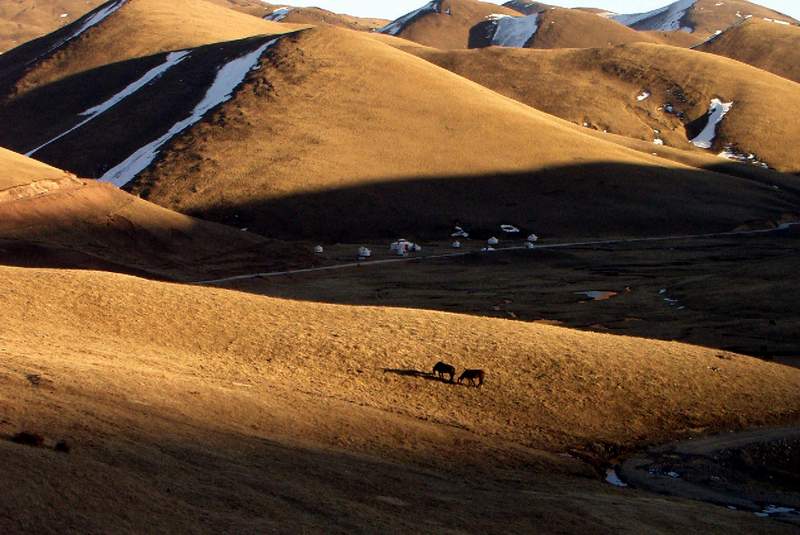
{"points": [[279, 14], [92, 113], [229, 77], [716, 113], [397, 26], [88, 22], [665, 19], [514, 32]]}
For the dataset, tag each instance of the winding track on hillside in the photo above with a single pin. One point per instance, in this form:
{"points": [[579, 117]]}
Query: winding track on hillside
{"points": [[567, 245]]}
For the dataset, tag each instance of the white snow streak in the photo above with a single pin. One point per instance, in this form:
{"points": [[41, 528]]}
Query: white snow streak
{"points": [[613, 478], [229, 77], [92, 113], [716, 112], [397, 26], [515, 32], [279, 14], [93, 20], [665, 19]]}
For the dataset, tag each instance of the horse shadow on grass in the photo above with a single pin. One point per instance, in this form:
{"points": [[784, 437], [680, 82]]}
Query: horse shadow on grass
{"points": [[415, 373]]}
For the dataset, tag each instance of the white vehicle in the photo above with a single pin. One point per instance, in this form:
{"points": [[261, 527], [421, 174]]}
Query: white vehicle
{"points": [[363, 252], [319, 249], [459, 233], [533, 238], [456, 244], [493, 241]]}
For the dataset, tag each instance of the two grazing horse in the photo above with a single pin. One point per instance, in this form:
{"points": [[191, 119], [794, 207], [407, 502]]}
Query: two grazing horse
{"points": [[475, 377]]}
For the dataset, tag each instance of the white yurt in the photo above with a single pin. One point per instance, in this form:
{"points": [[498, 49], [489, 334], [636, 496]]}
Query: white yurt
{"points": [[363, 252], [319, 249], [493, 241]]}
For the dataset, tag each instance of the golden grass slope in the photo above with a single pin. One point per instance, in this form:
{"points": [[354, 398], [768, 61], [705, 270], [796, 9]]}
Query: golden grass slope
{"points": [[304, 15], [142, 28], [547, 387], [599, 88], [278, 416], [361, 139], [17, 170], [315, 16], [706, 17], [451, 31], [274, 416], [589, 28], [709, 16], [23, 20], [572, 28], [41, 206], [766, 45]]}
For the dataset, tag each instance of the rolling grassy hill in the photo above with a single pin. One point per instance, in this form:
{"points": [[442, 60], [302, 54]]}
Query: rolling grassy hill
{"points": [[322, 129], [23, 20], [180, 398], [701, 17], [444, 23], [762, 44], [51, 218], [601, 88], [122, 30]]}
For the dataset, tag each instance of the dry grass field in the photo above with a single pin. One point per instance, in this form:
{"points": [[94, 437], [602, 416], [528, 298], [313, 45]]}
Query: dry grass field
{"points": [[599, 88], [175, 399], [706, 17], [48, 217], [177, 355], [451, 31], [23, 20], [139, 28], [463, 135], [765, 45]]}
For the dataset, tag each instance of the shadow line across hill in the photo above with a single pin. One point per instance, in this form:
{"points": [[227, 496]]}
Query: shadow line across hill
{"points": [[591, 200]]}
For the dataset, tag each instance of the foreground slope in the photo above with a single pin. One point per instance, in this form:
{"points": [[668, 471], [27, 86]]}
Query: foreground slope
{"points": [[50, 217], [121, 30], [625, 90], [147, 385], [353, 134], [763, 44]]}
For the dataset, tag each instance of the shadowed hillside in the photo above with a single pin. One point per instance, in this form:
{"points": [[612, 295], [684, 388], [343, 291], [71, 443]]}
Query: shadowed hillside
{"points": [[48, 217], [296, 131], [121, 30]]}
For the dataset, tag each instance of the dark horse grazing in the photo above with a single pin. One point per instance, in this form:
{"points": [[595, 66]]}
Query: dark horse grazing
{"points": [[441, 369], [472, 376]]}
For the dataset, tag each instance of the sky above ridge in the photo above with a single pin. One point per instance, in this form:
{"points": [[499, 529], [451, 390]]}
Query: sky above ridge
{"points": [[391, 9]]}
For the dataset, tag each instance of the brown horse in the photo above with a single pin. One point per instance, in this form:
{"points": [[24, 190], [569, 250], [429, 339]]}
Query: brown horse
{"points": [[441, 369], [472, 376]]}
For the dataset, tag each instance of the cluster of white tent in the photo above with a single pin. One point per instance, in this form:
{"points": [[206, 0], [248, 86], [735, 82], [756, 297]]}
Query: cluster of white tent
{"points": [[403, 247]]}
